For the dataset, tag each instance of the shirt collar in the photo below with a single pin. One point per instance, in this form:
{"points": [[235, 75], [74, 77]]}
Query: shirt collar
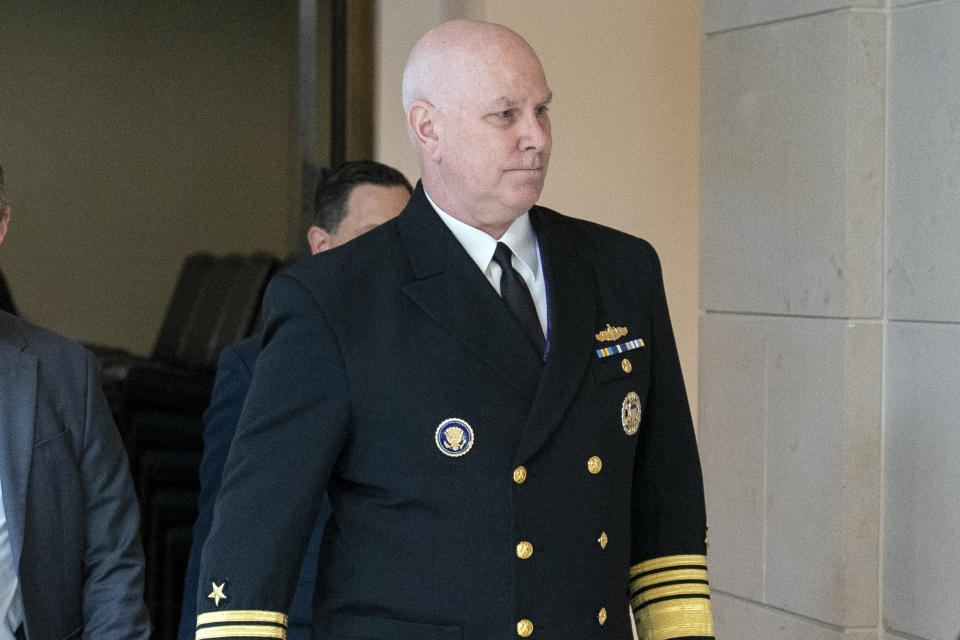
{"points": [[480, 245]]}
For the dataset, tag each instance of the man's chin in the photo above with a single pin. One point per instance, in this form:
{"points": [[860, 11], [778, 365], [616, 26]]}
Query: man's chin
{"points": [[525, 196]]}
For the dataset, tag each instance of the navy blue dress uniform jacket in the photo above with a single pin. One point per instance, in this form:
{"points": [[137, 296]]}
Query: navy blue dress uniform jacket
{"points": [[234, 372], [72, 515], [558, 507]]}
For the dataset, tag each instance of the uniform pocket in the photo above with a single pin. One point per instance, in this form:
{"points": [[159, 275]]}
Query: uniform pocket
{"points": [[369, 628]]}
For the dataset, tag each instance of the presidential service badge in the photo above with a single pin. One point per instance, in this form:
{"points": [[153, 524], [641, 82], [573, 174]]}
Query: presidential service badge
{"points": [[630, 413], [454, 437]]}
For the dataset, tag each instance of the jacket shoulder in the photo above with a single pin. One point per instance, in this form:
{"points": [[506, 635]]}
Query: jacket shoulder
{"points": [[375, 256], [591, 237], [242, 354], [46, 345]]}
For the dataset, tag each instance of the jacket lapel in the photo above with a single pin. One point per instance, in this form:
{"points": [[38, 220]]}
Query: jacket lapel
{"points": [[450, 288], [18, 380], [571, 304]]}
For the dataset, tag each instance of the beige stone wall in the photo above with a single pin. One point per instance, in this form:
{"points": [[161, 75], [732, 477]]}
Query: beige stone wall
{"points": [[831, 317], [625, 77]]}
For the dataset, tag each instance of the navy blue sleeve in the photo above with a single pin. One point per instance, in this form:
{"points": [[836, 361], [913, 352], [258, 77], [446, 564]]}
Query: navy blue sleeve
{"points": [[669, 585], [274, 480], [234, 373]]}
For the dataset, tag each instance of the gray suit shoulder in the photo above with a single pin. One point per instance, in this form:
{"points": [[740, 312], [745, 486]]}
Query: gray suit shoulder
{"points": [[43, 343]]}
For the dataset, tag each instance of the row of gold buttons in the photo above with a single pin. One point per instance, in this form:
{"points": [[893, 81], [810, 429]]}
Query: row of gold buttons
{"points": [[525, 547], [594, 465], [524, 551], [525, 627]]}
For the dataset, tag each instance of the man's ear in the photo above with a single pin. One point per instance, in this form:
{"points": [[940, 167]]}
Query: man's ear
{"points": [[4, 218], [424, 123], [318, 239]]}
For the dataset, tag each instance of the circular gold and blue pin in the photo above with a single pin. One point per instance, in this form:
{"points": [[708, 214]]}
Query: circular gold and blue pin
{"points": [[630, 413], [454, 437]]}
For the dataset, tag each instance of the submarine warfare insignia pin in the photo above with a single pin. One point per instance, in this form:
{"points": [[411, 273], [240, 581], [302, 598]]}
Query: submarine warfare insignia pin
{"points": [[630, 413], [611, 333], [454, 437]]}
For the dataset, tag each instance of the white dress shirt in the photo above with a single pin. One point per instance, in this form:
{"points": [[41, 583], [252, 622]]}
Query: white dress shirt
{"points": [[11, 604], [522, 242]]}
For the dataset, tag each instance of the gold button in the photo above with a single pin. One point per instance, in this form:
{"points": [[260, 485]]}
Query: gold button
{"points": [[602, 539], [524, 628], [626, 366], [520, 474], [594, 464], [602, 616], [524, 550]]}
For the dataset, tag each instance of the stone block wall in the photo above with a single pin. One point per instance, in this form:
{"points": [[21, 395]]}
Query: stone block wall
{"points": [[830, 317]]}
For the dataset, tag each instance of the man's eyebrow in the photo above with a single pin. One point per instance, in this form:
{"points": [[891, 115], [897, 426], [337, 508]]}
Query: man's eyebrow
{"points": [[503, 102]]}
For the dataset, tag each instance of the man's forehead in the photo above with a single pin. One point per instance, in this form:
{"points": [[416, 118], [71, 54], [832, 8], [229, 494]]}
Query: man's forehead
{"points": [[503, 82]]}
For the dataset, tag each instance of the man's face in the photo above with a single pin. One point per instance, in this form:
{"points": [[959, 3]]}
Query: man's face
{"points": [[368, 206], [494, 139]]}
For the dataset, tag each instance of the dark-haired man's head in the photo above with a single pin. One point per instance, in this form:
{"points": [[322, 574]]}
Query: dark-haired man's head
{"points": [[353, 198], [4, 208]]}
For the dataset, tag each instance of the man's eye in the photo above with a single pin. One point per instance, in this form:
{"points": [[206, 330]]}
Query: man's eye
{"points": [[503, 115], [542, 110]]}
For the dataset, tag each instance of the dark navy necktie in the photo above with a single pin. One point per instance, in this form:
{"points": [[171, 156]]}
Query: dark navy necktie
{"points": [[517, 297]]}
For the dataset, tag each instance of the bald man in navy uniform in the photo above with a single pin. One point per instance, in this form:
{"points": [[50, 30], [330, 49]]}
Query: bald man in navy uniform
{"points": [[490, 393]]}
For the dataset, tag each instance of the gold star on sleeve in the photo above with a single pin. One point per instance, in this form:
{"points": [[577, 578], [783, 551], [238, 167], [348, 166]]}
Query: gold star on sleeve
{"points": [[217, 594]]}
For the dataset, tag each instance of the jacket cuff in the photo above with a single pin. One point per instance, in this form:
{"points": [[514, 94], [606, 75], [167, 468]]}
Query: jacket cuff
{"points": [[670, 597], [242, 624]]}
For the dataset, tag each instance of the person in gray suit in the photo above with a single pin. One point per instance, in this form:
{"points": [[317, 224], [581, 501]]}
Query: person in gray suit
{"points": [[71, 562]]}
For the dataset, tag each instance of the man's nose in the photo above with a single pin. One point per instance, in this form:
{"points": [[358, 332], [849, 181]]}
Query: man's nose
{"points": [[535, 131]]}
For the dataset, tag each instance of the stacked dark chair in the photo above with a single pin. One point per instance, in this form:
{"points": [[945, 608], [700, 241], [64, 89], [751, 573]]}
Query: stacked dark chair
{"points": [[158, 403]]}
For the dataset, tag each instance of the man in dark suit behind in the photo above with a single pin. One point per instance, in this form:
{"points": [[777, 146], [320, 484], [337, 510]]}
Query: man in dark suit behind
{"points": [[71, 564], [350, 200], [488, 390]]}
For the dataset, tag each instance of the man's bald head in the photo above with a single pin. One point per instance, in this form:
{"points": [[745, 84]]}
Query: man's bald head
{"points": [[476, 98], [448, 53]]}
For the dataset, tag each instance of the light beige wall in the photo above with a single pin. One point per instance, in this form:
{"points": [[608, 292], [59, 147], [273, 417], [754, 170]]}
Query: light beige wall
{"points": [[625, 77], [133, 134]]}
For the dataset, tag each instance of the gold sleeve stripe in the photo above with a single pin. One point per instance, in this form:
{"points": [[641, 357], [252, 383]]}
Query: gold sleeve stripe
{"points": [[671, 591], [674, 575], [242, 631], [241, 615], [680, 618], [667, 562]]}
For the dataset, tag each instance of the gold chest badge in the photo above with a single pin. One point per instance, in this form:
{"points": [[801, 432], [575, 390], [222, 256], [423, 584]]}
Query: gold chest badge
{"points": [[630, 413], [611, 334]]}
